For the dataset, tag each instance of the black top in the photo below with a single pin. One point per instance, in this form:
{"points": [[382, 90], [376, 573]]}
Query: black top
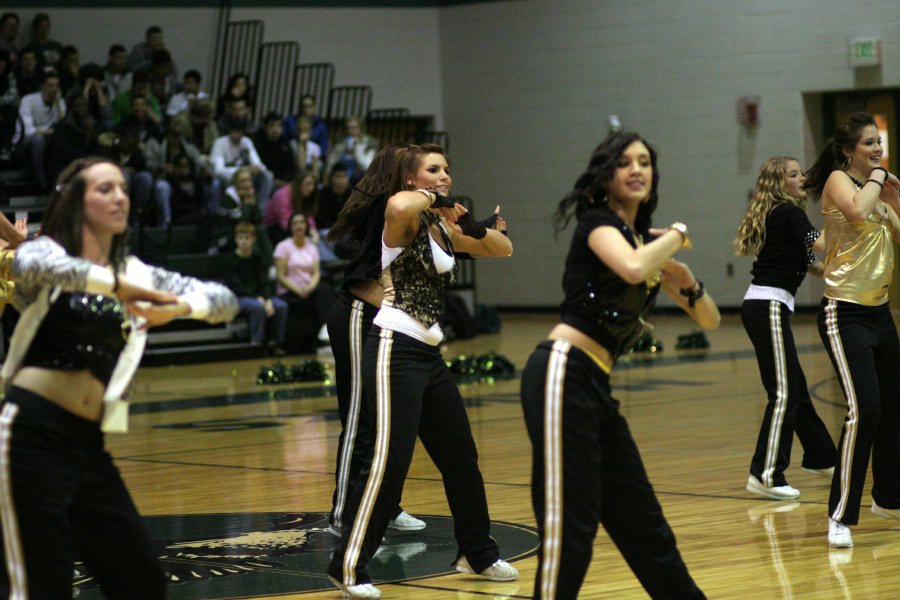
{"points": [[787, 251], [248, 276], [598, 302], [80, 331], [367, 264]]}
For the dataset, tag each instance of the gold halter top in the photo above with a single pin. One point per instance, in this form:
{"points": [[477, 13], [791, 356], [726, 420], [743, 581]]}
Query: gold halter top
{"points": [[859, 257]]}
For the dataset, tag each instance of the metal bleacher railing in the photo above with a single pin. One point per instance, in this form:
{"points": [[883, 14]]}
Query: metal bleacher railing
{"points": [[275, 71], [313, 79], [238, 51]]}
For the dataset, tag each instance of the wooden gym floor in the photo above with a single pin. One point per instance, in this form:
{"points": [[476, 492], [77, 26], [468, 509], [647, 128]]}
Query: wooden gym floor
{"points": [[214, 456]]}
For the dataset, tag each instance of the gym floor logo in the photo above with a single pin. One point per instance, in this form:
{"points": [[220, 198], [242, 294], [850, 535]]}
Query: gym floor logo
{"points": [[219, 556]]}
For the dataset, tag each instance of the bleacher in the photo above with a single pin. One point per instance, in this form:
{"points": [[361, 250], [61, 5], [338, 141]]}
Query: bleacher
{"points": [[280, 80]]}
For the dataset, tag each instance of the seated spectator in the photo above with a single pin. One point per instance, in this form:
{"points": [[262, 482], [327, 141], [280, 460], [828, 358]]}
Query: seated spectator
{"points": [[140, 86], [236, 109], [235, 150], [69, 67], [73, 137], [184, 190], [161, 71], [127, 152], [307, 153], [91, 87], [299, 280], [190, 90], [199, 127], [28, 78], [319, 129], [275, 153], [140, 120], [39, 113], [299, 196], [236, 88], [332, 197], [142, 51], [47, 51], [9, 34], [247, 275], [116, 78], [9, 103], [355, 150], [240, 204]]}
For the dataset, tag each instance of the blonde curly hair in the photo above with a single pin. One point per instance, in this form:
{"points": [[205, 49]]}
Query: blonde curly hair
{"points": [[770, 190]]}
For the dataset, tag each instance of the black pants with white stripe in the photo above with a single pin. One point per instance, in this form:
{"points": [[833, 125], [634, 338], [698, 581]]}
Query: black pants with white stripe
{"points": [[864, 349], [411, 391], [586, 469], [789, 408], [61, 498], [349, 323]]}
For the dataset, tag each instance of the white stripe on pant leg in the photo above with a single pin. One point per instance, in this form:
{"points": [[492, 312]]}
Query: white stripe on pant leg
{"points": [[781, 393], [553, 468], [851, 425], [356, 337], [12, 542], [382, 442]]}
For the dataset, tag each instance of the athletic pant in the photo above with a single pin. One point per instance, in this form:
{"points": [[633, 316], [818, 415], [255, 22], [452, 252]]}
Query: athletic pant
{"points": [[586, 470], [61, 498], [864, 350], [408, 385], [789, 408], [349, 322]]}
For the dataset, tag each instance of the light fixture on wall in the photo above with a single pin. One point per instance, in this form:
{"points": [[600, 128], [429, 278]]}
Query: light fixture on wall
{"points": [[748, 111]]}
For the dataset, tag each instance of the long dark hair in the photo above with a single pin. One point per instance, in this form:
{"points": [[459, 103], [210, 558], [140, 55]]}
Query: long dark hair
{"points": [[407, 165], [832, 158], [352, 221], [308, 205], [591, 186], [64, 218]]}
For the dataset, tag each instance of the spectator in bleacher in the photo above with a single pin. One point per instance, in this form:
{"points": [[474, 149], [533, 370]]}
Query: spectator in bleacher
{"points": [[240, 204], [116, 78], [127, 152], [235, 150], [236, 88], [140, 120], [299, 196], [332, 197], [179, 186], [90, 86], [298, 272], [73, 137], [355, 150], [69, 67], [236, 108], [142, 51], [190, 90], [140, 86], [9, 102], [47, 51], [163, 82], [307, 153], [275, 153], [318, 127], [39, 113], [247, 275], [9, 34], [28, 79], [200, 128]]}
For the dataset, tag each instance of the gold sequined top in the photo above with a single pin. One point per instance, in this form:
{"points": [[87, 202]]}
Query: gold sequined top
{"points": [[859, 257]]}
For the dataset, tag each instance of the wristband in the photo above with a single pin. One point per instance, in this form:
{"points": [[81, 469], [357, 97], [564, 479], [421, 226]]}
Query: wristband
{"points": [[470, 227], [886, 173], [880, 184], [693, 293], [683, 230]]}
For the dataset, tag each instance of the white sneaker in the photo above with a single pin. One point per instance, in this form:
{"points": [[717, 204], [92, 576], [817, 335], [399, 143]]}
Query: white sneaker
{"points": [[499, 571], [839, 535], [360, 590], [406, 522], [829, 472], [885, 513], [779, 492]]}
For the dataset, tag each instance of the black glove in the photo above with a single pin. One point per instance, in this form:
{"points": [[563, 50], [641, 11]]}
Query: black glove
{"points": [[491, 223], [442, 201], [471, 227]]}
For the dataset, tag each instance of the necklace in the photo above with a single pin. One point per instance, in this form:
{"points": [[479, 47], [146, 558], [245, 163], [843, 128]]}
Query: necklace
{"points": [[858, 183]]}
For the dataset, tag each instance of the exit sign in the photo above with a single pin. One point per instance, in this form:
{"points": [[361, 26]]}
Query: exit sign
{"points": [[865, 52]]}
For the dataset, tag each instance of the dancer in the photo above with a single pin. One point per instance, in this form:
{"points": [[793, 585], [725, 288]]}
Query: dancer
{"points": [[86, 309], [586, 466], [777, 231], [860, 203], [407, 383]]}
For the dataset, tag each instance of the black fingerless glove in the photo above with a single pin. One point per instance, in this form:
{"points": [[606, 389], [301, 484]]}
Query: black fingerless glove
{"points": [[491, 223], [471, 227], [442, 201]]}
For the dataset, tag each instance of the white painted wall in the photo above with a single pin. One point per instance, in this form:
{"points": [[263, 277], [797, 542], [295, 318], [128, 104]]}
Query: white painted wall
{"points": [[525, 87]]}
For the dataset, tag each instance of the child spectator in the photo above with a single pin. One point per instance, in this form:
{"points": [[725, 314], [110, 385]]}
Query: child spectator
{"points": [[247, 275]]}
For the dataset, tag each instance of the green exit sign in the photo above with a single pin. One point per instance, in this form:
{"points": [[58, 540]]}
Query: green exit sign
{"points": [[865, 52]]}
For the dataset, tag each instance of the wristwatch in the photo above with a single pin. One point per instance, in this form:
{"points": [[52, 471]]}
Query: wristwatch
{"points": [[683, 230]]}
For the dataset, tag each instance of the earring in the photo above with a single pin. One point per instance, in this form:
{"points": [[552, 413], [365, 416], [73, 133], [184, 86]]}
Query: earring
{"points": [[846, 164]]}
